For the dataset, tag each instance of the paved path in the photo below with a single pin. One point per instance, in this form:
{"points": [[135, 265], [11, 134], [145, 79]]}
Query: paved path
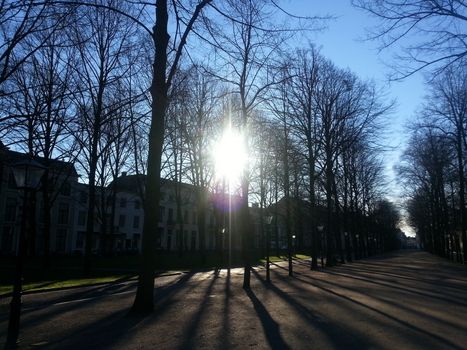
{"points": [[407, 300]]}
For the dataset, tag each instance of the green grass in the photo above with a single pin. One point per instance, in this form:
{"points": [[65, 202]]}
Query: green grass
{"points": [[275, 258], [67, 271], [78, 282], [302, 256]]}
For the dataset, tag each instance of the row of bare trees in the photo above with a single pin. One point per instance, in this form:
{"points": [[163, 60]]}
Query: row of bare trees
{"points": [[434, 167], [77, 85], [429, 36]]}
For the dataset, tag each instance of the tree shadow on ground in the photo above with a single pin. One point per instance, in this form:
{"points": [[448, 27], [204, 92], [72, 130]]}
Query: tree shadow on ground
{"points": [[112, 328], [270, 327], [335, 333], [411, 290], [190, 334], [396, 305], [404, 323]]}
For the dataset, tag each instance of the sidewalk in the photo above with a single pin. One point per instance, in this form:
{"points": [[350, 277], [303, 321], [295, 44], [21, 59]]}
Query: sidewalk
{"points": [[409, 300]]}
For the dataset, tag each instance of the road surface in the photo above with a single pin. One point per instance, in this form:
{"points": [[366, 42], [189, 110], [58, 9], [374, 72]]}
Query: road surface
{"points": [[406, 300]]}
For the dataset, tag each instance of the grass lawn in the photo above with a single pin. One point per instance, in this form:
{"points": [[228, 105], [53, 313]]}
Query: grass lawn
{"points": [[275, 258], [67, 271], [44, 285]]}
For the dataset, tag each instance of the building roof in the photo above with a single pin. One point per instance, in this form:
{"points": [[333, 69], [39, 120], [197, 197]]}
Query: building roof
{"points": [[9, 157]]}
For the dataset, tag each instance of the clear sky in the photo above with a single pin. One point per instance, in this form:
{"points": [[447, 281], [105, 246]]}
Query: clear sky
{"points": [[343, 43]]}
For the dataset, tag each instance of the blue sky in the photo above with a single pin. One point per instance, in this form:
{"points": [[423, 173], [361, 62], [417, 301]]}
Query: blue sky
{"points": [[343, 43]]}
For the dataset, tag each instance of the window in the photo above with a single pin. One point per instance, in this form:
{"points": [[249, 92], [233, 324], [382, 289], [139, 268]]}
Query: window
{"points": [[137, 204], [160, 233], [193, 217], [10, 210], [81, 218], [11, 180], [7, 238], [123, 202], [121, 220], [193, 240], [136, 238], [80, 240], [60, 241], [41, 213], [83, 197], [162, 213], [185, 239], [169, 240], [63, 214], [65, 190], [127, 243], [136, 221], [185, 217], [171, 215], [211, 220]]}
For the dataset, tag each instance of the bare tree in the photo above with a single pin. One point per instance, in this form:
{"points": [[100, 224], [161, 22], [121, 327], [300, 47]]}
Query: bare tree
{"points": [[425, 170], [103, 51], [432, 34], [40, 110], [246, 40], [305, 121], [447, 108], [161, 82], [20, 22]]}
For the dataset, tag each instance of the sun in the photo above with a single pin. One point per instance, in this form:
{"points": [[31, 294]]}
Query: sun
{"points": [[230, 156]]}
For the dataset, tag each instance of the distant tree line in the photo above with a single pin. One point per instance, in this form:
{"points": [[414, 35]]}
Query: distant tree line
{"points": [[430, 36], [434, 163], [98, 84]]}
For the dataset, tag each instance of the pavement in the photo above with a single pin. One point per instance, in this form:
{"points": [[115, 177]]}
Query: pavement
{"points": [[405, 300]]}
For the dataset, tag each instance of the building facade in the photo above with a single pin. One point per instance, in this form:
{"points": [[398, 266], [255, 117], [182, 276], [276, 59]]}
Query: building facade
{"points": [[118, 214]]}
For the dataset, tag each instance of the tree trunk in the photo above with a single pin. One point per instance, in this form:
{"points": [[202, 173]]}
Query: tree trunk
{"points": [[144, 300]]}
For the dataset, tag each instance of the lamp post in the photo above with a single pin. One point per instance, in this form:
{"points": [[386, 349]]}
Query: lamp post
{"points": [[358, 246], [268, 245], [320, 230], [27, 174], [222, 241], [347, 247], [294, 249]]}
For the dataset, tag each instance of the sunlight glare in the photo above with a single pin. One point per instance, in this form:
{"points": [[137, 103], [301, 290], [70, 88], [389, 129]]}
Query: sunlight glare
{"points": [[230, 156]]}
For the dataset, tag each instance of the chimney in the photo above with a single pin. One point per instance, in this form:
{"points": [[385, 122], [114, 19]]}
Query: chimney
{"points": [[123, 173]]}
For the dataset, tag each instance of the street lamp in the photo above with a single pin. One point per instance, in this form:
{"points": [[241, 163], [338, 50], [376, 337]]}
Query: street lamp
{"points": [[358, 246], [27, 174], [294, 245], [268, 245], [347, 246], [320, 230]]}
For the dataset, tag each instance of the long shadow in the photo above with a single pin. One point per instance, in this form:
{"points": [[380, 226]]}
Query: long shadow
{"points": [[382, 300], [88, 292], [280, 267], [439, 283], [270, 327], [225, 335], [418, 278], [379, 271], [389, 285], [190, 334], [104, 332], [84, 300], [395, 319], [342, 339]]}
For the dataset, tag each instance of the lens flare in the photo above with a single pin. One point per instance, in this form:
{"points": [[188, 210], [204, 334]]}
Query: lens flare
{"points": [[230, 156]]}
